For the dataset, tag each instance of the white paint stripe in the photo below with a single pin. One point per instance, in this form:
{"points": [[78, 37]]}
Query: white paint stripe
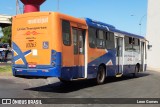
{"points": [[14, 51], [106, 50], [86, 57], [28, 54], [108, 63], [18, 60]]}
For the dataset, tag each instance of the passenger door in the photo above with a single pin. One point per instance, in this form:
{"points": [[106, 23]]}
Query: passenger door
{"points": [[78, 48], [119, 58], [142, 56]]}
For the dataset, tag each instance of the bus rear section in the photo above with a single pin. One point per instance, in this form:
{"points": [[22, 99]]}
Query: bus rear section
{"points": [[33, 46]]}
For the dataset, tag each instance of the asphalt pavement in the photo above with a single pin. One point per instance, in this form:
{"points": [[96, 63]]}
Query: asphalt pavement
{"points": [[146, 85]]}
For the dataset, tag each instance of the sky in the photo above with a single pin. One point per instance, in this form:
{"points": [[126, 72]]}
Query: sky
{"points": [[123, 14]]}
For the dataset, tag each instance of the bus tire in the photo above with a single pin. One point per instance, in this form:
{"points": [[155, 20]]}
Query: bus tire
{"points": [[135, 74], [101, 75]]}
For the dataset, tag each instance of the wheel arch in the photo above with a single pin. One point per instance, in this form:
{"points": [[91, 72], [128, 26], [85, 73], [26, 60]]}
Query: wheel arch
{"points": [[102, 64], [138, 65]]}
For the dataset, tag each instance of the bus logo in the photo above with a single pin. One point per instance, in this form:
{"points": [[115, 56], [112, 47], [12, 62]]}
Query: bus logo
{"points": [[6, 101], [38, 20], [45, 45]]}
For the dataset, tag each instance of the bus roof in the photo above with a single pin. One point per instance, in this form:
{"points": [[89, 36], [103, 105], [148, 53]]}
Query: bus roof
{"points": [[98, 24], [104, 26]]}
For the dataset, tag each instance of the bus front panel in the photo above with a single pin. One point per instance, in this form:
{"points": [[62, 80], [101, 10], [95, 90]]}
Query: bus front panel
{"points": [[32, 44]]}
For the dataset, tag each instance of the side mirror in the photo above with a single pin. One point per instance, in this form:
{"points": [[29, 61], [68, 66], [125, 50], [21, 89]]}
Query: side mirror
{"points": [[149, 46]]}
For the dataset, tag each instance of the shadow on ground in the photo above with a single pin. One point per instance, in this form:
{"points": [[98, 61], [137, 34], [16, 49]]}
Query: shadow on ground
{"points": [[60, 87]]}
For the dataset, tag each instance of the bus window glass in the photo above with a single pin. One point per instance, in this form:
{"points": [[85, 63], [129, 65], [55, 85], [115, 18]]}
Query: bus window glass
{"points": [[75, 41], [92, 37], [81, 42], [66, 33], [100, 35], [107, 36], [136, 46], [100, 39], [110, 40], [128, 43]]}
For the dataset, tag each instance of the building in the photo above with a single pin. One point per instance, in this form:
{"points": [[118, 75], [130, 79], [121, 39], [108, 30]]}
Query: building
{"points": [[5, 20], [153, 33]]}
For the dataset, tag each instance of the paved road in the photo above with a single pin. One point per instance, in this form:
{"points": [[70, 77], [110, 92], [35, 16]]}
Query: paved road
{"points": [[147, 85]]}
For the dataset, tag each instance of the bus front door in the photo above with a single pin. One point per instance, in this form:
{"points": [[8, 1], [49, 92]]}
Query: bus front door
{"points": [[142, 56], [78, 47], [119, 58]]}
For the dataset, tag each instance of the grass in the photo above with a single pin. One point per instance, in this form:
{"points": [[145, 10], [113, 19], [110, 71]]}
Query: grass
{"points": [[5, 70]]}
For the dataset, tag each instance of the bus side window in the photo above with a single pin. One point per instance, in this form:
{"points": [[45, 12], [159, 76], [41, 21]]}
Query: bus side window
{"points": [[66, 33], [81, 41], [92, 37], [100, 39], [128, 43], [110, 40], [136, 45], [75, 41]]}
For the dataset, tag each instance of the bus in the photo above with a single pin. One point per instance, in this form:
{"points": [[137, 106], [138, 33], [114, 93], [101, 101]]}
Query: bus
{"points": [[51, 44]]}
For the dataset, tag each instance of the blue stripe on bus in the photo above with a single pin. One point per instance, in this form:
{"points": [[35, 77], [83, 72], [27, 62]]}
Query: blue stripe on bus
{"points": [[109, 56], [49, 72], [21, 55], [110, 71], [105, 26], [69, 73]]}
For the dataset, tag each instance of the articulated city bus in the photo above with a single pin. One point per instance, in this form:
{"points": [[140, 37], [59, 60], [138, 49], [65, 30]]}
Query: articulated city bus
{"points": [[51, 44]]}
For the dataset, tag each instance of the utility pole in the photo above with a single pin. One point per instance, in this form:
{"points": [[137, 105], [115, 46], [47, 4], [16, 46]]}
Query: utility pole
{"points": [[57, 5], [140, 23], [17, 7]]}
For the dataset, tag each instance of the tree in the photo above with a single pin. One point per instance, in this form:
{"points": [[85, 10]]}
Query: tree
{"points": [[6, 38]]}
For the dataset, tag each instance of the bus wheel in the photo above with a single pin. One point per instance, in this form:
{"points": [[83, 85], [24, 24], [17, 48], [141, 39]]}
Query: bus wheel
{"points": [[101, 75], [135, 74]]}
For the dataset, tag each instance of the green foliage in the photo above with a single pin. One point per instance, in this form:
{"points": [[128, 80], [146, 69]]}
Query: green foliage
{"points": [[6, 35], [6, 38], [5, 68]]}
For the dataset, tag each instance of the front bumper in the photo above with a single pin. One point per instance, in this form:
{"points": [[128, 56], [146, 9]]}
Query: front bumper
{"points": [[47, 72]]}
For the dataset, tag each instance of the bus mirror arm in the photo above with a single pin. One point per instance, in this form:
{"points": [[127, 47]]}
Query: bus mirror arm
{"points": [[149, 46]]}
